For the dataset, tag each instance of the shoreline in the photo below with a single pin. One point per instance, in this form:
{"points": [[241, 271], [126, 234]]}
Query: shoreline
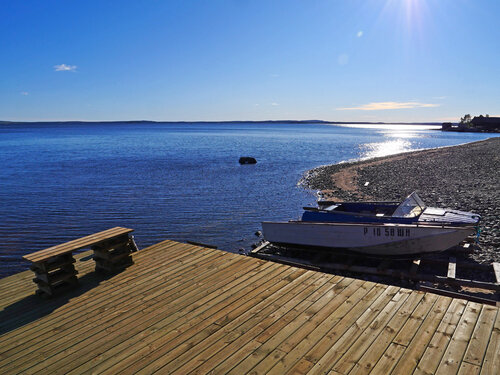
{"points": [[463, 177]]}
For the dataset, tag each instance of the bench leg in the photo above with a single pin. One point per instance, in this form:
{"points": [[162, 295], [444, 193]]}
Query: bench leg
{"points": [[114, 255], [55, 275]]}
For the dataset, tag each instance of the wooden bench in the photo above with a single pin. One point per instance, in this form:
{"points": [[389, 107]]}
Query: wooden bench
{"points": [[54, 267]]}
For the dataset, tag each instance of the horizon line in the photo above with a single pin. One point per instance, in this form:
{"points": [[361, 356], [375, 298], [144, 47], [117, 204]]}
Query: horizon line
{"points": [[223, 121]]}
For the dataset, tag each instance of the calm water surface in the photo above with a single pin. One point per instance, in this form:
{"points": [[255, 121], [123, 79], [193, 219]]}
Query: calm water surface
{"points": [[171, 181]]}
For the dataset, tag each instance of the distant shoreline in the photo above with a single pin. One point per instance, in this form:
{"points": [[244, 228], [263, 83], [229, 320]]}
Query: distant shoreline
{"points": [[219, 122]]}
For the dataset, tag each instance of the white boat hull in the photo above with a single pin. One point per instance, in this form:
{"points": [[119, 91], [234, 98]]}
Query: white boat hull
{"points": [[379, 239]]}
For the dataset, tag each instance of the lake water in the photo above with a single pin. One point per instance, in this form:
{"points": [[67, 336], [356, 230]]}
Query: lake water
{"points": [[172, 181]]}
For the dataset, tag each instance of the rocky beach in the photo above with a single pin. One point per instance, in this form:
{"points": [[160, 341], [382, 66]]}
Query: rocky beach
{"points": [[464, 177]]}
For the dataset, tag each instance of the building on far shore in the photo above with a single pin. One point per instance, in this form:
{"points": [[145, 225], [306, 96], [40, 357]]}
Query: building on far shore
{"points": [[486, 123], [477, 124], [446, 126]]}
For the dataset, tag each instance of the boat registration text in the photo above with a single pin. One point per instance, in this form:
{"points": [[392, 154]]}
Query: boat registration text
{"points": [[387, 232]]}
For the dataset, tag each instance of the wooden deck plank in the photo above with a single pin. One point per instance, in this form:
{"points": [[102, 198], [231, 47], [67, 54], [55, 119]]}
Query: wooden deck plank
{"points": [[368, 336], [320, 341], [284, 309], [439, 342], [84, 265], [142, 315], [392, 354], [468, 369], [348, 330], [496, 270], [170, 344], [491, 361], [481, 336], [70, 321], [274, 335], [200, 318], [450, 362], [388, 360], [105, 297], [232, 330], [274, 322], [406, 334], [417, 341], [352, 306], [215, 348], [372, 353], [310, 289], [88, 323], [187, 309], [190, 360], [316, 318], [115, 282]]}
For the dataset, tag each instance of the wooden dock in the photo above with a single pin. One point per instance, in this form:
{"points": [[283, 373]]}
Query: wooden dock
{"points": [[185, 309]]}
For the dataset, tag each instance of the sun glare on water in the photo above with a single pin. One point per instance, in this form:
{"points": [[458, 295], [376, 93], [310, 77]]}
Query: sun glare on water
{"points": [[378, 149]]}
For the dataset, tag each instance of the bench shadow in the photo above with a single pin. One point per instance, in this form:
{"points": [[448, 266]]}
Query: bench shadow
{"points": [[34, 307]]}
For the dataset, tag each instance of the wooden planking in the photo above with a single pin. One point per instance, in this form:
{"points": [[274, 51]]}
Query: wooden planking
{"points": [[347, 299], [36, 334], [169, 343], [381, 341], [313, 332], [441, 338], [337, 341], [84, 267], [229, 332], [496, 270], [450, 361], [174, 333], [252, 339], [280, 348], [186, 309], [389, 359], [491, 362], [11, 287], [417, 341], [68, 317], [109, 289], [292, 361], [178, 357], [60, 322], [144, 313], [78, 243], [481, 336], [452, 268], [468, 369]]}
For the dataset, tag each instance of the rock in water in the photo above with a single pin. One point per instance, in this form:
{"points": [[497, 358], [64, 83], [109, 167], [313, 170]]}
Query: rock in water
{"points": [[247, 160]]}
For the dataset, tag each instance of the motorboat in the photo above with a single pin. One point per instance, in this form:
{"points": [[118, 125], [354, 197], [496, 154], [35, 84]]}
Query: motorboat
{"points": [[380, 228]]}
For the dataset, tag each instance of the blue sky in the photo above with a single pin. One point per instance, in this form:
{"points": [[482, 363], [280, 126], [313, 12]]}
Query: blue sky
{"points": [[350, 60]]}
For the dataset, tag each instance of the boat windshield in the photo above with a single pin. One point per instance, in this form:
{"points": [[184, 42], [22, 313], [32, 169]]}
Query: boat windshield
{"points": [[412, 206]]}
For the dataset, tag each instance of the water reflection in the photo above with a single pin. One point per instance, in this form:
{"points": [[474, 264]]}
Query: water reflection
{"points": [[405, 134], [398, 127], [377, 149]]}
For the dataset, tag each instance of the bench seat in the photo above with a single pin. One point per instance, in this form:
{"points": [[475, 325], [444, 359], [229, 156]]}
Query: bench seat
{"points": [[77, 244], [54, 267]]}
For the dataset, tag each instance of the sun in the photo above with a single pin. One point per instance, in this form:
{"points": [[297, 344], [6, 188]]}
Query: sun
{"points": [[411, 16]]}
